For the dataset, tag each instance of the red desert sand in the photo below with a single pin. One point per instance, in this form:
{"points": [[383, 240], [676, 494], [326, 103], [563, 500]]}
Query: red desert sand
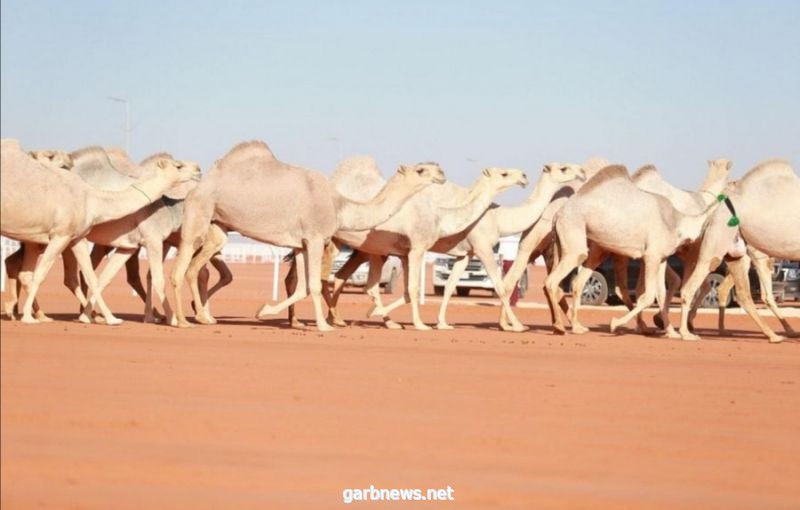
{"points": [[250, 414]]}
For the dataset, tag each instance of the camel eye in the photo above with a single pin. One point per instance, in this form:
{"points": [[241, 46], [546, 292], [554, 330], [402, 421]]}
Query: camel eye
{"points": [[419, 171], [505, 174], [563, 169]]}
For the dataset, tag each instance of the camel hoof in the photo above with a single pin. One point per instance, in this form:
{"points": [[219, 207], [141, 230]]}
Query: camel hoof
{"points": [[376, 311], [658, 322], [324, 327], [208, 320], [615, 323], [671, 333], [422, 327], [559, 330], [776, 339], [183, 324], [27, 319], [113, 321], [336, 321], [390, 324], [265, 311], [43, 318], [444, 326], [579, 329], [84, 319], [689, 336]]}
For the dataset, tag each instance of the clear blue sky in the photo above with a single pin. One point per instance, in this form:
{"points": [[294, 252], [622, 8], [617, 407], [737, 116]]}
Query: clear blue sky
{"points": [[466, 84]]}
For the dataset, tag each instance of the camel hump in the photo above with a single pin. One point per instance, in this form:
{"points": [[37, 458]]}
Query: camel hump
{"points": [[362, 164], [772, 167], [249, 149], [10, 144], [154, 157], [607, 174], [595, 164], [644, 171], [94, 151]]}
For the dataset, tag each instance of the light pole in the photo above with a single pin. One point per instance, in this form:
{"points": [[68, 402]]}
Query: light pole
{"points": [[127, 121]]}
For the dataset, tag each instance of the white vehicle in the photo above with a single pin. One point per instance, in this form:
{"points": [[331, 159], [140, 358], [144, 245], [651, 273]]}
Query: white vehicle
{"points": [[390, 274], [475, 276]]}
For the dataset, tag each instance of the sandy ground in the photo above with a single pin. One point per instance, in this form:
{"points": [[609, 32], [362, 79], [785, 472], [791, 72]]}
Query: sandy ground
{"points": [[249, 414]]}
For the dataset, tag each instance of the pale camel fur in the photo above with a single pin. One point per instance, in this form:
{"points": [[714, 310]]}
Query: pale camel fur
{"points": [[643, 225], [250, 191], [537, 240], [765, 200], [47, 206], [434, 214]]}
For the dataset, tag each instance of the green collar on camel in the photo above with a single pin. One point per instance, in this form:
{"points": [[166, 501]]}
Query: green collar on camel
{"points": [[734, 221]]}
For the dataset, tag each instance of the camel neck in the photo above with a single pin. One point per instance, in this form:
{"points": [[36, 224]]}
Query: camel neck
{"points": [[353, 215], [513, 220], [456, 219], [110, 205]]}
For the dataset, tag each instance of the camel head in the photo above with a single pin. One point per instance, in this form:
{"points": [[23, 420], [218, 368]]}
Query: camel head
{"points": [[55, 159], [564, 172], [504, 178], [420, 175], [178, 171], [718, 172], [182, 188]]}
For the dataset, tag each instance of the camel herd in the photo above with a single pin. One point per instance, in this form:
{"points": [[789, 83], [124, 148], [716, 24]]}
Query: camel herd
{"points": [[576, 216]]}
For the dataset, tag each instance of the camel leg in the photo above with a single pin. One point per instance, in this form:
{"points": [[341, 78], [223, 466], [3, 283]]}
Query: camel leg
{"points": [[19, 268], [510, 281], [97, 284], [486, 257], [739, 269], [384, 311], [214, 241], [673, 283], [43, 266], [290, 282], [594, 258], [300, 291], [763, 265], [72, 279], [373, 287], [567, 262], [459, 266], [133, 277], [652, 268], [723, 293], [621, 280], [155, 258], [416, 263], [225, 275], [13, 267], [664, 297], [315, 249]]}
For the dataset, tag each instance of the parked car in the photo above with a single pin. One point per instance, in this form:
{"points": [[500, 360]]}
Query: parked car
{"points": [[475, 275], [599, 288], [390, 274], [785, 280]]}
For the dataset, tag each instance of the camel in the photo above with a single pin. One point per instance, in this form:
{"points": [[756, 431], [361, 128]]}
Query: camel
{"points": [[152, 224], [644, 225], [423, 224], [500, 222], [649, 179], [763, 264], [537, 240], [252, 192], [43, 205], [766, 229], [149, 227]]}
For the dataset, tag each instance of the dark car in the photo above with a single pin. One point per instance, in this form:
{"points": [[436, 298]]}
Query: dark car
{"points": [[786, 280], [599, 288]]}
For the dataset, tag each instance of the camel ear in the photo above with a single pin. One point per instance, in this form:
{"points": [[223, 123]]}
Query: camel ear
{"points": [[486, 172], [547, 169], [729, 165], [162, 163], [402, 169]]}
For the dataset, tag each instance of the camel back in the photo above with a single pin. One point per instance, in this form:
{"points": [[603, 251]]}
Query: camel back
{"points": [[609, 173]]}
